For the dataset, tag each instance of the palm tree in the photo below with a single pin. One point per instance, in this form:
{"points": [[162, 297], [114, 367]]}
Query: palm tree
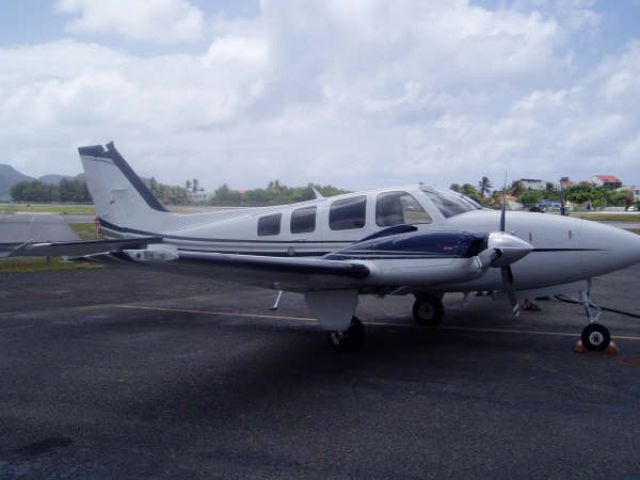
{"points": [[484, 186], [517, 188]]}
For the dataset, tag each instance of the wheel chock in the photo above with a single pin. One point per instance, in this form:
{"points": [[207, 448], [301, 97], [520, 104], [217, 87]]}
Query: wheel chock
{"points": [[612, 349]]}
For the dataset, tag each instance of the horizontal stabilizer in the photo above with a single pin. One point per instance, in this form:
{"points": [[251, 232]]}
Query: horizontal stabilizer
{"points": [[74, 249]]}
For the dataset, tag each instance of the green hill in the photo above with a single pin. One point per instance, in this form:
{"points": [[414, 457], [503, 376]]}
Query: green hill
{"points": [[8, 177]]}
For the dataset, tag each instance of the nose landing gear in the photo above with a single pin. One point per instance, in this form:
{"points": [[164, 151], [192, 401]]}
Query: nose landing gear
{"points": [[595, 336]]}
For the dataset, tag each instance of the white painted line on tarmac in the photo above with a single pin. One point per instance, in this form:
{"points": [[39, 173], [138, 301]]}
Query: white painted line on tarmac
{"points": [[379, 324], [214, 313]]}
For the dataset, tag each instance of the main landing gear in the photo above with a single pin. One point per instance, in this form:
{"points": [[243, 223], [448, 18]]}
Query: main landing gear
{"points": [[428, 310], [349, 340]]}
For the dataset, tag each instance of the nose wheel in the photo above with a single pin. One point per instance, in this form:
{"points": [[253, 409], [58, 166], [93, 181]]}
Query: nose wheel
{"points": [[350, 340], [595, 337]]}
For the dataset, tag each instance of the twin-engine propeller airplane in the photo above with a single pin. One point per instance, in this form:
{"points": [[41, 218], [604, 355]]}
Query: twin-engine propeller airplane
{"points": [[417, 240]]}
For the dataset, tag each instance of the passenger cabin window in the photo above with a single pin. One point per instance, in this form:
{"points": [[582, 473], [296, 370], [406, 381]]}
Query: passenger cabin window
{"points": [[348, 213], [303, 220], [394, 208], [269, 225], [450, 203]]}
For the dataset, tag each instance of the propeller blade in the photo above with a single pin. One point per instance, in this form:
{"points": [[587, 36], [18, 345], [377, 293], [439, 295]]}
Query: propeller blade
{"points": [[507, 280], [509, 249], [488, 257], [503, 208]]}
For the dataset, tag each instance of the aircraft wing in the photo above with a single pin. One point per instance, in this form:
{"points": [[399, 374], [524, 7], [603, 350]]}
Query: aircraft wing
{"points": [[281, 272], [73, 249], [258, 263], [286, 273]]}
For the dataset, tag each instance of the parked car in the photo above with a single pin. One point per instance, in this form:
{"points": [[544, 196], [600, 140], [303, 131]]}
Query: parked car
{"points": [[632, 208]]}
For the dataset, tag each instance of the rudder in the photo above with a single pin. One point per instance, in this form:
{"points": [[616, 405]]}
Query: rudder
{"points": [[119, 195]]}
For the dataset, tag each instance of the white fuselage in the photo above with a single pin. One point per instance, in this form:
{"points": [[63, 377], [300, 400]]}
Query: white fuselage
{"points": [[565, 249]]}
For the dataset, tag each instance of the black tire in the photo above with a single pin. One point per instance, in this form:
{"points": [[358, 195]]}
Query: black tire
{"points": [[350, 340], [595, 337], [428, 310]]}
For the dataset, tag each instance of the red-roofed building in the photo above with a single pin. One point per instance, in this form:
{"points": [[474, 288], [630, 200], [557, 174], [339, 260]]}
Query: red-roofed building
{"points": [[607, 181]]}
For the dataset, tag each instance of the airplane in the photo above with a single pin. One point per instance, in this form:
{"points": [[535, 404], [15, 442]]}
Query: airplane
{"points": [[415, 240]]}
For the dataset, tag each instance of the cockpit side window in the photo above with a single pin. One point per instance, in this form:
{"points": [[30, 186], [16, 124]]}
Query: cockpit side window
{"points": [[450, 203], [348, 213], [394, 208]]}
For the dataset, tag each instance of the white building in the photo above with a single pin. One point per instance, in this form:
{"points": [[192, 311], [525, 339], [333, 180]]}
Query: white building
{"points": [[199, 197], [534, 183]]}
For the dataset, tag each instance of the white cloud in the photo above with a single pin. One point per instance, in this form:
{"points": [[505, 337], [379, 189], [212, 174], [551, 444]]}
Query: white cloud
{"points": [[157, 21], [357, 93]]}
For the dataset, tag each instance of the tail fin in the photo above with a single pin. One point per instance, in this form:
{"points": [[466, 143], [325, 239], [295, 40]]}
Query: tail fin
{"points": [[120, 196]]}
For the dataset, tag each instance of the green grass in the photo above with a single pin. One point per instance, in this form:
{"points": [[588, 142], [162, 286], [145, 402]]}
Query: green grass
{"points": [[86, 231], [40, 264], [47, 208], [634, 230], [608, 217]]}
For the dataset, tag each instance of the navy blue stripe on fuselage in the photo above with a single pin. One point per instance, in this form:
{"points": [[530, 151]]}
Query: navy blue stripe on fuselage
{"points": [[398, 256]]}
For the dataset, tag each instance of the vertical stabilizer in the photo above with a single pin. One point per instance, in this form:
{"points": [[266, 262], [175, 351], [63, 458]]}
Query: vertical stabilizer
{"points": [[120, 196]]}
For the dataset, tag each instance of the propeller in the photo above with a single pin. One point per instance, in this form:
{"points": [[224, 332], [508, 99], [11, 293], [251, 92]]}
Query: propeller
{"points": [[505, 270], [507, 281], [503, 208]]}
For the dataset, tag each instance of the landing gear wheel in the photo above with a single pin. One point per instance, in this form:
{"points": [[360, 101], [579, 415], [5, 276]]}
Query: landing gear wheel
{"points": [[595, 337], [428, 311], [349, 340]]}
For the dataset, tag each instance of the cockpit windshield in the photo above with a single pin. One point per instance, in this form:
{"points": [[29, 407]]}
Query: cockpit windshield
{"points": [[450, 203]]}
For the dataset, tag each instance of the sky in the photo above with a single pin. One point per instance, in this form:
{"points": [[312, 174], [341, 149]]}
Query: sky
{"points": [[354, 93]]}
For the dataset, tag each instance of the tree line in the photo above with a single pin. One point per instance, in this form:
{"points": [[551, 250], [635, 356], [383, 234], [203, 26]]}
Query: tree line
{"points": [[274, 194], [582, 193], [74, 190], [169, 194], [68, 190]]}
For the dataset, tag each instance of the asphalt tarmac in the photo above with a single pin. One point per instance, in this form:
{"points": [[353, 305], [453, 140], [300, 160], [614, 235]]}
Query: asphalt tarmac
{"points": [[39, 227], [114, 374]]}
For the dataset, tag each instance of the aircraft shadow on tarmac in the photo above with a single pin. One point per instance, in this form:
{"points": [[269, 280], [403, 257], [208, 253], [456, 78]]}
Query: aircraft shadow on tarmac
{"points": [[295, 364]]}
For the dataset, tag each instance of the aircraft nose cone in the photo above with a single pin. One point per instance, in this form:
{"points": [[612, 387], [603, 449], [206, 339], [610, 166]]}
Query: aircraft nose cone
{"points": [[635, 248], [627, 245], [607, 248]]}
